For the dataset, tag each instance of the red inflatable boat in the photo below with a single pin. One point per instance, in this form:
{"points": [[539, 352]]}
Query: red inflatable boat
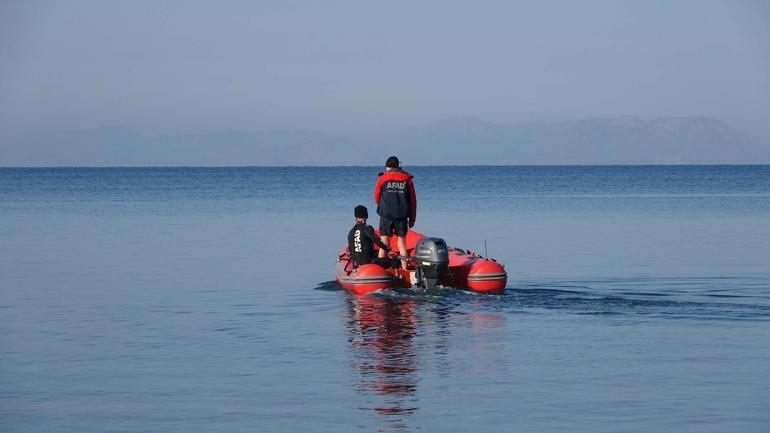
{"points": [[432, 264]]}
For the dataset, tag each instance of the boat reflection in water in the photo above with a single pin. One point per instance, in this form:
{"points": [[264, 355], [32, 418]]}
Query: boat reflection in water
{"points": [[399, 341], [381, 337]]}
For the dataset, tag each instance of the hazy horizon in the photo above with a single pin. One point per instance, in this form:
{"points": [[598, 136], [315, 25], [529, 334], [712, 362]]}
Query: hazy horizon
{"points": [[358, 70]]}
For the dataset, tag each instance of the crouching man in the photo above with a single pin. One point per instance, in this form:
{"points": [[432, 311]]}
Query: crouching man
{"points": [[361, 240]]}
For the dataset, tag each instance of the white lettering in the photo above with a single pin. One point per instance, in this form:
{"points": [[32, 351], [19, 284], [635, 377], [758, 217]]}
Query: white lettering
{"points": [[357, 241], [395, 185]]}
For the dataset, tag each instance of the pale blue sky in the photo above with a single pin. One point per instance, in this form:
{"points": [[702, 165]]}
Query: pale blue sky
{"points": [[359, 67]]}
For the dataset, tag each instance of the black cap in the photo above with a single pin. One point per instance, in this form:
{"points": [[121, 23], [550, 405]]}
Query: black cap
{"points": [[392, 162], [361, 212]]}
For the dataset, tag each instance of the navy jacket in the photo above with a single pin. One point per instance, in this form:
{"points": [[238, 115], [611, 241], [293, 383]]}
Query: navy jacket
{"points": [[361, 240], [395, 196]]}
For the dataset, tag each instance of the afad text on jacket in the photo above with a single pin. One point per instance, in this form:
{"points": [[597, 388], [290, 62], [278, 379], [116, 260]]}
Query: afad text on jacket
{"points": [[394, 195]]}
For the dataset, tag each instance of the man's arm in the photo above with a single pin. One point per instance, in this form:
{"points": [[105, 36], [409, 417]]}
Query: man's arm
{"points": [[412, 202], [377, 188], [370, 234]]}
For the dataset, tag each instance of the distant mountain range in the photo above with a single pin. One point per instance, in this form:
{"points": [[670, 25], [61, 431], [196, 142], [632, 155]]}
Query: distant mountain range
{"points": [[116, 146], [623, 140]]}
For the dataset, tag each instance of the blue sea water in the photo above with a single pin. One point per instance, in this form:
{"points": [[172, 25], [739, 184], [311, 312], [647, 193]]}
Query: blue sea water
{"points": [[200, 300]]}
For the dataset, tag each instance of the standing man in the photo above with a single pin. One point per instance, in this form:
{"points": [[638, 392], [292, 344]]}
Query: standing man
{"points": [[396, 204]]}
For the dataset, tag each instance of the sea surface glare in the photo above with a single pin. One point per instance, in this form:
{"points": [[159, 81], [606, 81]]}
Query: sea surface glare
{"points": [[199, 300]]}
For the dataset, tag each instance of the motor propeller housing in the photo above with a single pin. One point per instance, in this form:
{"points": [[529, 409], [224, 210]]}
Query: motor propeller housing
{"points": [[432, 257]]}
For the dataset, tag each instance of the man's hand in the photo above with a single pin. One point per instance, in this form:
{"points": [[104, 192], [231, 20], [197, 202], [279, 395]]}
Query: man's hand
{"points": [[410, 222]]}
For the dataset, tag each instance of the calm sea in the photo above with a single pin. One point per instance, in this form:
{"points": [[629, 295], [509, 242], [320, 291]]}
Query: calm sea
{"points": [[199, 300]]}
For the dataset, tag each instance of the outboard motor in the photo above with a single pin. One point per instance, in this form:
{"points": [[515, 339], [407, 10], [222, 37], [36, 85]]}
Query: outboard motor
{"points": [[432, 260]]}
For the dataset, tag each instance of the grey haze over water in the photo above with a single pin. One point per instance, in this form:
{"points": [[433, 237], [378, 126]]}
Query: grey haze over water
{"points": [[363, 70], [461, 141]]}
